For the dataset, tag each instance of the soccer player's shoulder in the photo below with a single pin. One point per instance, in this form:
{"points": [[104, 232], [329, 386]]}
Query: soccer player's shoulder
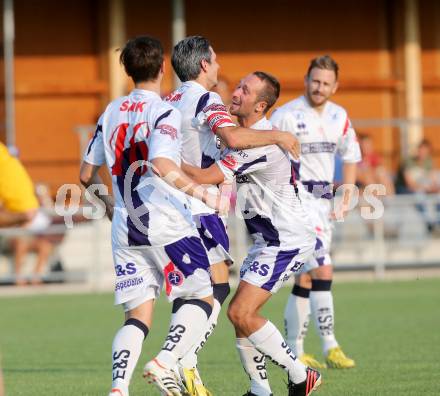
{"points": [[164, 110], [336, 110]]}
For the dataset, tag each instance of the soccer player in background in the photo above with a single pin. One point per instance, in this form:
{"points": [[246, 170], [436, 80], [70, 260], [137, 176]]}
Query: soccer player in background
{"points": [[154, 238], [324, 129], [282, 233], [206, 125]]}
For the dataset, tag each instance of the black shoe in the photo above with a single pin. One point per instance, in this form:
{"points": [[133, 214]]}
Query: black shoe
{"points": [[305, 388], [249, 393]]}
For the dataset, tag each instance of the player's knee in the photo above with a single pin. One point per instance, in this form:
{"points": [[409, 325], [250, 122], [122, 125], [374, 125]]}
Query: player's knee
{"points": [[304, 280], [324, 272], [239, 314]]}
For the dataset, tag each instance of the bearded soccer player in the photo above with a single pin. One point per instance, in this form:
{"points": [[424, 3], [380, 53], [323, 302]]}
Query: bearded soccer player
{"points": [[323, 129], [154, 239], [206, 125], [283, 238]]}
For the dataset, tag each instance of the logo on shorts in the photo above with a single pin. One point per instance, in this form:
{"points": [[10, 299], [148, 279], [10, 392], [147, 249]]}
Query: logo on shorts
{"points": [[175, 278]]}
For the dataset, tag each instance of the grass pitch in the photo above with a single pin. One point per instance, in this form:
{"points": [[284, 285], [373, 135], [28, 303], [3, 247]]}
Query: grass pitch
{"points": [[61, 345]]}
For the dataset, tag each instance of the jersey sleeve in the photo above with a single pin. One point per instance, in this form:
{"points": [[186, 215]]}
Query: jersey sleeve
{"points": [[241, 162], [165, 140], [348, 145], [213, 113], [95, 153]]}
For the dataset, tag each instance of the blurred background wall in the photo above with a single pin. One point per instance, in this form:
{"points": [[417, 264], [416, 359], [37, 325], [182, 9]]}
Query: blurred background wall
{"points": [[65, 64]]}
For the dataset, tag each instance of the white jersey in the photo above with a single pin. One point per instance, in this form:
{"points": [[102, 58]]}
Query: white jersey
{"points": [[203, 112], [132, 130], [321, 137], [267, 195]]}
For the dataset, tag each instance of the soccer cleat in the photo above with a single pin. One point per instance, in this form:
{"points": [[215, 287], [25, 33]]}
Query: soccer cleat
{"points": [[313, 380], [249, 393], [193, 382], [164, 379], [116, 392], [310, 361], [336, 358]]}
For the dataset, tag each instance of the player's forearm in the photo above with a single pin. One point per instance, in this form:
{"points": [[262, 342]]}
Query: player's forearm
{"points": [[175, 177], [244, 138], [89, 176], [11, 219], [202, 176], [349, 180]]}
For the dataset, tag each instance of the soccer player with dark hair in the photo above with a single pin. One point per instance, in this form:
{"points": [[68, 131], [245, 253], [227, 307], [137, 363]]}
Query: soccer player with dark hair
{"points": [[324, 129], [282, 234], [154, 239], [206, 125]]}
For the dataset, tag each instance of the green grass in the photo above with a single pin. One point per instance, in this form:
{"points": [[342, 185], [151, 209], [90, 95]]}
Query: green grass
{"points": [[60, 345]]}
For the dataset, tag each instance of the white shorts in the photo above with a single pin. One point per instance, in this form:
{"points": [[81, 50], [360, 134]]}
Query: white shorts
{"points": [[212, 231], [269, 267], [319, 210], [182, 266]]}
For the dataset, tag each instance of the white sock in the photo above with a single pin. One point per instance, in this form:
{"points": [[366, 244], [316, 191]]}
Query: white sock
{"points": [[187, 325], [126, 349], [269, 340], [296, 322], [254, 363], [190, 358], [321, 303]]}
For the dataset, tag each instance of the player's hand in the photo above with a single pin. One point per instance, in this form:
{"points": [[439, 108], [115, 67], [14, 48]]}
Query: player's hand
{"points": [[289, 143], [340, 212]]}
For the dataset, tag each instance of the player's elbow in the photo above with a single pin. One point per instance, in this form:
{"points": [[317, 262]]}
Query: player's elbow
{"points": [[85, 175]]}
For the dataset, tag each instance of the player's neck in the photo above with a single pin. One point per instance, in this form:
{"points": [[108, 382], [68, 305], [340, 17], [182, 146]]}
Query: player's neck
{"points": [[247, 122], [149, 86], [203, 81]]}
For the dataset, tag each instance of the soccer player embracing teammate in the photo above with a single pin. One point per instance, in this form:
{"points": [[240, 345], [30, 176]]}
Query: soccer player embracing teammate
{"points": [[154, 239]]}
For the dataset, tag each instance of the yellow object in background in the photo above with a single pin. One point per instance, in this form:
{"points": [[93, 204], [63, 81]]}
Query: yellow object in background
{"points": [[16, 187]]}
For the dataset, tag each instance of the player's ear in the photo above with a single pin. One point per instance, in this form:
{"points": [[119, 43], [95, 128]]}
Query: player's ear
{"points": [[260, 107], [204, 64]]}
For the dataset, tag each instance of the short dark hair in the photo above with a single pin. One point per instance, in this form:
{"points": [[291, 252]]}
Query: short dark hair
{"points": [[187, 57], [325, 62], [142, 58], [271, 91]]}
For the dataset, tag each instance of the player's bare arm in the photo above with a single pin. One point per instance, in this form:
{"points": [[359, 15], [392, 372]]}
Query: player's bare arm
{"points": [[211, 175], [11, 219], [173, 175], [88, 176], [348, 188], [244, 138]]}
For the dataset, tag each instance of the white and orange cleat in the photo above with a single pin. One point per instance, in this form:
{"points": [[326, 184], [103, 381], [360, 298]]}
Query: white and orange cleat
{"points": [[164, 379]]}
